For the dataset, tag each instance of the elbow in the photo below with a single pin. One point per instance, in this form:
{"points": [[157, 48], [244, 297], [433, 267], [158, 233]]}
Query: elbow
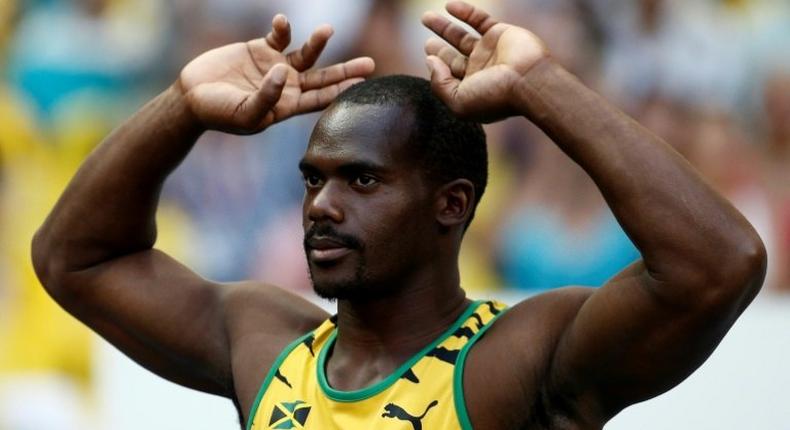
{"points": [[739, 275], [49, 268], [39, 254], [751, 268]]}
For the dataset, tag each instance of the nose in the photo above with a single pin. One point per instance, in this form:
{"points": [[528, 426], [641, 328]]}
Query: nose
{"points": [[324, 205]]}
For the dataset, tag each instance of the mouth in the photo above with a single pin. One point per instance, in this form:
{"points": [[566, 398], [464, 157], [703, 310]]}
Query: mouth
{"points": [[328, 255], [326, 250]]}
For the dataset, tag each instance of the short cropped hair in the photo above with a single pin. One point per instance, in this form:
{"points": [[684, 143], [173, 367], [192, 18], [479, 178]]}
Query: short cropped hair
{"points": [[448, 147]]}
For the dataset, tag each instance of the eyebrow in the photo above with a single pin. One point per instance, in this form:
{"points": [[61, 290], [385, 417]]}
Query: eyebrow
{"points": [[355, 166]]}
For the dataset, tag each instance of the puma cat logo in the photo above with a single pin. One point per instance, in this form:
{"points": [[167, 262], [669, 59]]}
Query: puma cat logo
{"points": [[394, 411]]}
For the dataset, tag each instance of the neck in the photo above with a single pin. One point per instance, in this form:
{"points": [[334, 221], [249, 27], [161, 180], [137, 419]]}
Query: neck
{"points": [[375, 337], [408, 319]]}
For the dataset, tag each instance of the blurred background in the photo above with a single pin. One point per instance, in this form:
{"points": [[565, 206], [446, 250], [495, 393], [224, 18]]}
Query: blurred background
{"points": [[712, 77]]}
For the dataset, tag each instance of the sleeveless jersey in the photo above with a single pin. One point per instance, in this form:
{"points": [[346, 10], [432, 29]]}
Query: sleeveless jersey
{"points": [[426, 392]]}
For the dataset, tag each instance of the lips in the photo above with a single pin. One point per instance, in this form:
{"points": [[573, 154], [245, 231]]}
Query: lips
{"points": [[324, 249]]}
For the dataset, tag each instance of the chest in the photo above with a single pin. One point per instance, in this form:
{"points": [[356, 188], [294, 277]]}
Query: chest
{"points": [[423, 393]]}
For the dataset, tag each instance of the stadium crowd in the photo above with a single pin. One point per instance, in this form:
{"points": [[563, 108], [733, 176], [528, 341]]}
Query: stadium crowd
{"points": [[712, 77]]}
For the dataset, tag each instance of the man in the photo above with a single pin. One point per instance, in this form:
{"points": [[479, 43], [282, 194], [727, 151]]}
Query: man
{"points": [[384, 221]]}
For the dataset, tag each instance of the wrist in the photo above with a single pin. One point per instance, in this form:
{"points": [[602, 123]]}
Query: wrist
{"points": [[531, 87], [179, 110]]}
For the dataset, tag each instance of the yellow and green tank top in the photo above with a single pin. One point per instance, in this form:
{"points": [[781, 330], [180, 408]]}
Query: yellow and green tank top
{"points": [[425, 393]]}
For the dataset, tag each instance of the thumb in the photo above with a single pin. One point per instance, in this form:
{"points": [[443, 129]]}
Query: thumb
{"points": [[270, 91], [443, 83]]}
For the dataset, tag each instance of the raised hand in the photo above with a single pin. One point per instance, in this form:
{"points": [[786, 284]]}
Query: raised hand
{"points": [[245, 87], [476, 74]]}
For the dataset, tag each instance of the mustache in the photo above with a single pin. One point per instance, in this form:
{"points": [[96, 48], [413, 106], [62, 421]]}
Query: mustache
{"points": [[326, 231]]}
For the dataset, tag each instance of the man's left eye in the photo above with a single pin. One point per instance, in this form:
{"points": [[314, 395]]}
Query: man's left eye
{"points": [[365, 181]]}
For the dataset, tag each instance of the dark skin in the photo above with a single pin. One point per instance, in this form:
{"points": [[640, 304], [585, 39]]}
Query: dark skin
{"points": [[570, 359], [385, 202]]}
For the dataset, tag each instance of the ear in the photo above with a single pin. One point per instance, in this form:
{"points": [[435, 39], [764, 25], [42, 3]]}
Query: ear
{"points": [[454, 203]]}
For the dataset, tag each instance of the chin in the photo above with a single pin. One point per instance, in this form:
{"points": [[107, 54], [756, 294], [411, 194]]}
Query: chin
{"points": [[347, 280], [335, 282], [354, 287], [357, 289], [335, 290]]}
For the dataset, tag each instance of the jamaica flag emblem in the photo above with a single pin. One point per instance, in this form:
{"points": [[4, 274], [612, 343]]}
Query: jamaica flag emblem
{"points": [[289, 415]]}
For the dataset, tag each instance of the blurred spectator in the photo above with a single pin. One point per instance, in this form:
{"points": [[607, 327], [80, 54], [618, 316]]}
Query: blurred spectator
{"points": [[692, 51], [709, 76], [384, 25], [37, 339], [574, 47], [559, 230], [64, 48], [233, 187], [347, 17]]}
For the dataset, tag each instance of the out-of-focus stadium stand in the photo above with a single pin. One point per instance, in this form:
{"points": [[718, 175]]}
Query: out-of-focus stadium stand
{"points": [[710, 76]]}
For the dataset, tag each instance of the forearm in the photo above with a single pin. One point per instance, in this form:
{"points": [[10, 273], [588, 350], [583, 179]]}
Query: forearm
{"points": [[686, 232], [108, 209]]}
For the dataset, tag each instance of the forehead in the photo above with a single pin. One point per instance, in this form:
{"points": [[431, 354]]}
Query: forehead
{"points": [[380, 133]]}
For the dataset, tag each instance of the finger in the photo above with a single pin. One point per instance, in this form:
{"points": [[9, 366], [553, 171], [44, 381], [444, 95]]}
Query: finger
{"points": [[269, 93], [454, 34], [443, 84], [320, 98], [306, 57], [280, 36], [356, 68], [448, 55], [479, 19]]}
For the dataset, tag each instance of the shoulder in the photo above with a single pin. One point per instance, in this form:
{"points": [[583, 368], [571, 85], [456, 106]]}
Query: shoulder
{"points": [[536, 323], [508, 367], [261, 320], [255, 307]]}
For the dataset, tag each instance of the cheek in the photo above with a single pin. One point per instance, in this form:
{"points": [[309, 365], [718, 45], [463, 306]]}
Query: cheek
{"points": [[398, 227]]}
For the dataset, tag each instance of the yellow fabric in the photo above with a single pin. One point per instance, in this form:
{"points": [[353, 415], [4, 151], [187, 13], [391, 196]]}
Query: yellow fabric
{"points": [[420, 394], [36, 335]]}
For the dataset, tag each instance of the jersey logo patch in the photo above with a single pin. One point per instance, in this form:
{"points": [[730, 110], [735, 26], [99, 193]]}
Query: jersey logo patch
{"points": [[289, 415], [394, 411]]}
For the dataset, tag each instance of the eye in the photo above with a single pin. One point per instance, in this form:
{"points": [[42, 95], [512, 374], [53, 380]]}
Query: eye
{"points": [[365, 181], [312, 181]]}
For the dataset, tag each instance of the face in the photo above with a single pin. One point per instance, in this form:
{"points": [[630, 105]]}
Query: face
{"points": [[367, 212]]}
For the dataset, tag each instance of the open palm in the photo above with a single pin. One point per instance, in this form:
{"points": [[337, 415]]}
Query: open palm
{"points": [[246, 87], [475, 74]]}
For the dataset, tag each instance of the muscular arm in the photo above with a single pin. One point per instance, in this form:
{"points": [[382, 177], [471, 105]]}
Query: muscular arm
{"points": [[654, 323], [94, 252], [702, 263], [95, 256], [108, 209]]}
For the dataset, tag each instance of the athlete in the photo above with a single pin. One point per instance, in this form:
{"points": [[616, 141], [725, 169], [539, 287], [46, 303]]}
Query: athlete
{"points": [[392, 175]]}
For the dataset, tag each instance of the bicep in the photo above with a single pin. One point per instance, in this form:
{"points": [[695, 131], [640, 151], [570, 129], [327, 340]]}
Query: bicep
{"points": [[627, 344], [159, 313]]}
